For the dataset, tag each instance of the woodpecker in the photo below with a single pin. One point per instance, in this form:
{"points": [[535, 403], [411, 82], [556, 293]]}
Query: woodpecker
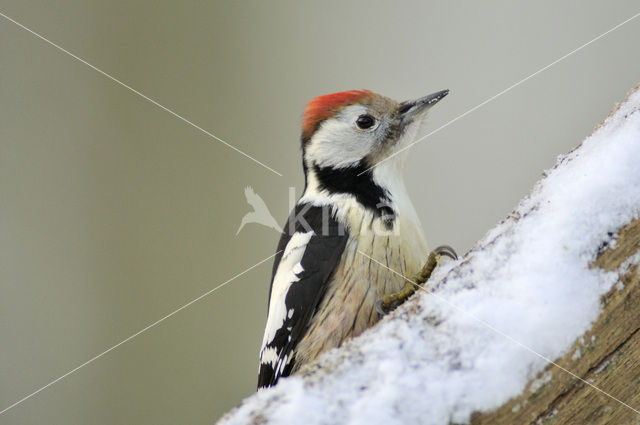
{"points": [[325, 285]]}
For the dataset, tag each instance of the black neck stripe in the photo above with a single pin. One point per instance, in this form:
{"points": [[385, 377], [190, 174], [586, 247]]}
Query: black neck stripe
{"points": [[356, 181]]}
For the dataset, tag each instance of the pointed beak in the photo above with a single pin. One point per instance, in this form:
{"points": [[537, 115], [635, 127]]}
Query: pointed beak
{"points": [[412, 108]]}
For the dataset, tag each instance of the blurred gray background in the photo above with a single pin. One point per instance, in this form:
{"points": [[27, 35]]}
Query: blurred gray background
{"points": [[114, 213]]}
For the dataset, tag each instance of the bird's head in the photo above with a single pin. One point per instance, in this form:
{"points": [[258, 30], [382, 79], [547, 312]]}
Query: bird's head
{"points": [[350, 142], [347, 133]]}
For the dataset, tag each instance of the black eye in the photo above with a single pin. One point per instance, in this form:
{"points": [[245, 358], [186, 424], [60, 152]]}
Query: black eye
{"points": [[365, 121]]}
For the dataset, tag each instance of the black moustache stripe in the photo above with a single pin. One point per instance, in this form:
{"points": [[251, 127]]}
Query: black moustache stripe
{"points": [[357, 181]]}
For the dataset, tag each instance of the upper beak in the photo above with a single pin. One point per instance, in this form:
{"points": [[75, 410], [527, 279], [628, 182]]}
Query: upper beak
{"points": [[412, 108]]}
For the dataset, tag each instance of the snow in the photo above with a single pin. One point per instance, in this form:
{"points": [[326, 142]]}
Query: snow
{"points": [[524, 294]]}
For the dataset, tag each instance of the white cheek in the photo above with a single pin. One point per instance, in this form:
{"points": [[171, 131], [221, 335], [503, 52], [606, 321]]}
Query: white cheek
{"points": [[417, 128], [337, 144]]}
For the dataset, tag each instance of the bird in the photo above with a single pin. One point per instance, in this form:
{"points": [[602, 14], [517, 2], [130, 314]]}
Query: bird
{"points": [[260, 213], [327, 284]]}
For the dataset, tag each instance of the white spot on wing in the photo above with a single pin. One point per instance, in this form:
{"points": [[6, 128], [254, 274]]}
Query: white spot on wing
{"points": [[269, 355], [282, 364]]}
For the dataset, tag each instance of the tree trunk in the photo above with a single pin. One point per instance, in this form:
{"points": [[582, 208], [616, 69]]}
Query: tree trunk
{"points": [[607, 356]]}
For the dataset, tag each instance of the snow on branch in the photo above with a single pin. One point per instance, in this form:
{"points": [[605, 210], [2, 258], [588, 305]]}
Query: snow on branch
{"points": [[477, 349]]}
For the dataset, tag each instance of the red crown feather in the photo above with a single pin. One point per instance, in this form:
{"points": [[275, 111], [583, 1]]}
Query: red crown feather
{"points": [[322, 107]]}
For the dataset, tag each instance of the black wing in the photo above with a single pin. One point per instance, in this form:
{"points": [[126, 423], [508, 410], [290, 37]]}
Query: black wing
{"points": [[313, 244]]}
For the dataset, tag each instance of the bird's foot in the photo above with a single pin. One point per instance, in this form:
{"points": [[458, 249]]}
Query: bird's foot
{"points": [[389, 302]]}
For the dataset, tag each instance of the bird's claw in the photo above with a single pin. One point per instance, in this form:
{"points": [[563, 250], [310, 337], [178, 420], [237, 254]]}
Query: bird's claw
{"points": [[447, 251], [389, 302], [381, 308]]}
